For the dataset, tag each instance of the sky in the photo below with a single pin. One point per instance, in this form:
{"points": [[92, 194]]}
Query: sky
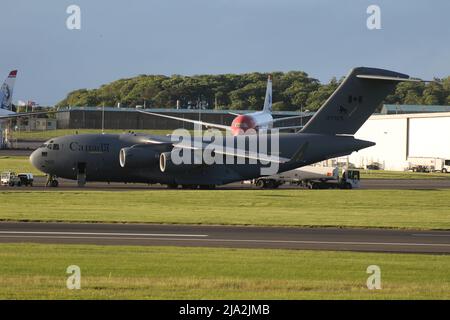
{"points": [[121, 39]]}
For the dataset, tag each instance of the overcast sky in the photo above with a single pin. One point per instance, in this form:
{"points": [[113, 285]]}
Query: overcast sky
{"points": [[126, 38]]}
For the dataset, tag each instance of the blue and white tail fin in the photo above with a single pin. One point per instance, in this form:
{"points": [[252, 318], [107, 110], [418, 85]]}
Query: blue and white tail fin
{"points": [[268, 99], [6, 91]]}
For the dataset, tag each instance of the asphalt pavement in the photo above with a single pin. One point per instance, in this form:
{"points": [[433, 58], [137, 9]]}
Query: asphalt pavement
{"points": [[336, 239]]}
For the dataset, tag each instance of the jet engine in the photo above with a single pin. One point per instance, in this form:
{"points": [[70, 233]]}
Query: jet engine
{"points": [[166, 163], [138, 156]]}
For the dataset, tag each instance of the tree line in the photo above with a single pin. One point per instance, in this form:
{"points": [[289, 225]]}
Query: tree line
{"points": [[292, 91]]}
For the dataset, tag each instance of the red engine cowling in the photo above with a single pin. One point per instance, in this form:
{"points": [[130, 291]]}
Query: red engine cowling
{"points": [[241, 124]]}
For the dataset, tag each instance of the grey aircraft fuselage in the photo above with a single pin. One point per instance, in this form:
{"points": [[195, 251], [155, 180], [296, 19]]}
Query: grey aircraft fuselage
{"points": [[97, 155]]}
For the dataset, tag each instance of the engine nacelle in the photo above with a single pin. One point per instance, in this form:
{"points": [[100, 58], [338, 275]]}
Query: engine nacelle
{"points": [[138, 157], [167, 165]]}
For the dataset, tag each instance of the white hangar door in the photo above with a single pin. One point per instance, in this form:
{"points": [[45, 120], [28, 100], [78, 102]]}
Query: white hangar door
{"points": [[429, 137]]}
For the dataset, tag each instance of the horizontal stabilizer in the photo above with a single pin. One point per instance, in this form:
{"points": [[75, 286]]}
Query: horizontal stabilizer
{"points": [[373, 77]]}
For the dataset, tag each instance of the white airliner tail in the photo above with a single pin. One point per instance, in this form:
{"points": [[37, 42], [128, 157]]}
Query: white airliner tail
{"points": [[268, 99], [6, 91]]}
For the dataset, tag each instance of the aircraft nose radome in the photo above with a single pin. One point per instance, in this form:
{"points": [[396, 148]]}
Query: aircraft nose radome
{"points": [[34, 159]]}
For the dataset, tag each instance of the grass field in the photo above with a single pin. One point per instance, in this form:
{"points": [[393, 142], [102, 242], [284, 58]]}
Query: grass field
{"points": [[18, 164], [48, 134], [422, 209], [403, 175], [31, 271]]}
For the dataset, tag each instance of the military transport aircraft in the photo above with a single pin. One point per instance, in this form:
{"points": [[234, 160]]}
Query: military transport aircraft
{"points": [[243, 123], [149, 158]]}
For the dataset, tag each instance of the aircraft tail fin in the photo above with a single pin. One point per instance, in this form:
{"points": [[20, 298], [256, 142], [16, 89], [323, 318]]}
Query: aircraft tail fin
{"points": [[268, 98], [352, 103], [6, 90]]}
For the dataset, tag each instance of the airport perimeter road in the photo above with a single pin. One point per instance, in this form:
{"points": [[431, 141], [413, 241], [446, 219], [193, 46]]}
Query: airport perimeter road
{"points": [[371, 240]]}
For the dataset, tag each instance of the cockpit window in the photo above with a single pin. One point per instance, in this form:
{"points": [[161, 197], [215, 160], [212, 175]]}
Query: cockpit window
{"points": [[55, 146], [49, 146]]}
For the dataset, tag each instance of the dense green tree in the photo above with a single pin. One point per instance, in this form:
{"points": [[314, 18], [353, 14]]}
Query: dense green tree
{"points": [[293, 90], [412, 97], [280, 106], [434, 94]]}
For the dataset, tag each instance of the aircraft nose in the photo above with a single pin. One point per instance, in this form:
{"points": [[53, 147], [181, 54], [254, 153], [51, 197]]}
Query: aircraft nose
{"points": [[35, 158]]}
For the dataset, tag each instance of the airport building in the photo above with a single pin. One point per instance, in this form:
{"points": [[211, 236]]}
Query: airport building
{"points": [[36, 124], [401, 137]]}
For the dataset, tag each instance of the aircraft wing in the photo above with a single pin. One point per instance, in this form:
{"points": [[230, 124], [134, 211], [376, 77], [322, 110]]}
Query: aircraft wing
{"points": [[297, 157], [238, 153], [288, 128], [286, 118], [203, 123]]}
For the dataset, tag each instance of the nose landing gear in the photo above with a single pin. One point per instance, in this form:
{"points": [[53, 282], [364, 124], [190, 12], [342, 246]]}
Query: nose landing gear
{"points": [[51, 181]]}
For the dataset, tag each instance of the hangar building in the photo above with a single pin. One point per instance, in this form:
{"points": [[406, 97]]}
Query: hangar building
{"points": [[400, 137], [129, 118]]}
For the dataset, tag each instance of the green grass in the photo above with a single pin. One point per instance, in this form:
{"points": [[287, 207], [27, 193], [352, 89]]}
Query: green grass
{"points": [[403, 175], [48, 134], [18, 164], [32, 271], [422, 209]]}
